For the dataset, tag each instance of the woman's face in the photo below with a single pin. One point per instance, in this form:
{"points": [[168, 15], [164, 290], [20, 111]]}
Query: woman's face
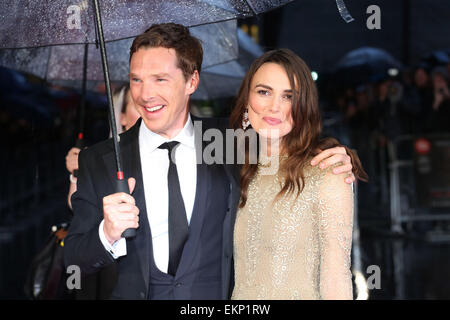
{"points": [[270, 102]]}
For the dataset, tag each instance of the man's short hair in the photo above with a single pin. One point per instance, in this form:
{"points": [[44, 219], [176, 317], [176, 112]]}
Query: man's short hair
{"points": [[173, 36]]}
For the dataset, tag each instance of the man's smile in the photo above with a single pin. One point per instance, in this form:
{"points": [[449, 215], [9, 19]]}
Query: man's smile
{"points": [[154, 108]]}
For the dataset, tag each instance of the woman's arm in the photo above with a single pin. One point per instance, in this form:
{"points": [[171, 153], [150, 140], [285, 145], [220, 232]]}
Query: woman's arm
{"points": [[335, 214]]}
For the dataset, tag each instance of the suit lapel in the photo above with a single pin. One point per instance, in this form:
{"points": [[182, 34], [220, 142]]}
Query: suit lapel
{"points": [[200, 204], [198, 215]]}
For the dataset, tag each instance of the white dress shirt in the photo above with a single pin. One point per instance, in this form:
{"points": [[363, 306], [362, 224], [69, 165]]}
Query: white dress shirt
{"points": [[155, 166]]}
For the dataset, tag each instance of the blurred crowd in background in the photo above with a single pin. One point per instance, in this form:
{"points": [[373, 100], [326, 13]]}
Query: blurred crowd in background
{"points": [[411, 101]]}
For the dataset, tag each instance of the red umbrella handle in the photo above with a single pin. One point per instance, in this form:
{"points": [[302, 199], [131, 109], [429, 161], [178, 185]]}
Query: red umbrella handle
{"points": [[122, 186]]}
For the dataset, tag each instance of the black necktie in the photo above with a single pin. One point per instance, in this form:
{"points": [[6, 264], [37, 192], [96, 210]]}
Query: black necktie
{"points": [[178, 225]]}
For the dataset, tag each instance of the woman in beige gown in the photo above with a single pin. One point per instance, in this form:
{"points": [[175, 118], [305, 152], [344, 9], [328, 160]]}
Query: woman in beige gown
{"points": [[293, 230]]}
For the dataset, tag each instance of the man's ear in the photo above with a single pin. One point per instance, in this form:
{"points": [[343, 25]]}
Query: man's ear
{"points": [[193, 82]]}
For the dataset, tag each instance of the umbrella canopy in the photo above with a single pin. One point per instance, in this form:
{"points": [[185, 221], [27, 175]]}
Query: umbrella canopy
{"points": [[36, 23], [365, 64], [436, 58], [224, 80], [65, 62]]}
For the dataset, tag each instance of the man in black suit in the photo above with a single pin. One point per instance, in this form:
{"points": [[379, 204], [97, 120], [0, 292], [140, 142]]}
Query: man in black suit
{"points": [[184, 209]]}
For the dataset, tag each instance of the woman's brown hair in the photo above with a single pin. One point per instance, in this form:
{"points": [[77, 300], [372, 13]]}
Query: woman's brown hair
{"points": [[303, 141]]}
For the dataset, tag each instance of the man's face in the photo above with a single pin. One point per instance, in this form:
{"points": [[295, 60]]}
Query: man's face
{"points": [[159, 90]]}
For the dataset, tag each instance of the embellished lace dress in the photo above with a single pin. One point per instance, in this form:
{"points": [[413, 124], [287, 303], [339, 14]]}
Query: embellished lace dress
{"points": [[295, 247]]}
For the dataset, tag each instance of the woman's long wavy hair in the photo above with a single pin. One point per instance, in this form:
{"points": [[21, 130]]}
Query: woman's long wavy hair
{"points": [[303, 141]]}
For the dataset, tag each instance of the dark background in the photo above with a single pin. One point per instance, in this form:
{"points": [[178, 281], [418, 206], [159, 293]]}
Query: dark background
{"points": [[314, 29]]}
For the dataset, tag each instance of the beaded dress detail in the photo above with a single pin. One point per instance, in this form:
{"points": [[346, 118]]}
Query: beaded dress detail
{"points": [[295, 247]]}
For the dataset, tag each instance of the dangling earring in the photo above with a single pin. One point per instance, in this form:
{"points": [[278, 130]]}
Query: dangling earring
{"points": [[245, 120]]}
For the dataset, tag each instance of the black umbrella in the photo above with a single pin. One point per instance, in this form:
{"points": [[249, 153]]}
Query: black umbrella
{"points": [[223, 80], [36, 23], [436, 58], [366, 64], [62, 64], [27, 23], [74, 65]]}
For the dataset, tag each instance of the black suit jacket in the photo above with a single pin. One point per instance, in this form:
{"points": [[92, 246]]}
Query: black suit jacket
{"points": [[96, 179]]}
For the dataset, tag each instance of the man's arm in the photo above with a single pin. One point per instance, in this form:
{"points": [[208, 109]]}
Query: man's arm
{"points": [[332, 152]]}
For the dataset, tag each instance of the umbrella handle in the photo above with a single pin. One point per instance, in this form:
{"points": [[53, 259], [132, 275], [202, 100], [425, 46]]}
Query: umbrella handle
{"points": [[122, 186], [79, 143]]}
